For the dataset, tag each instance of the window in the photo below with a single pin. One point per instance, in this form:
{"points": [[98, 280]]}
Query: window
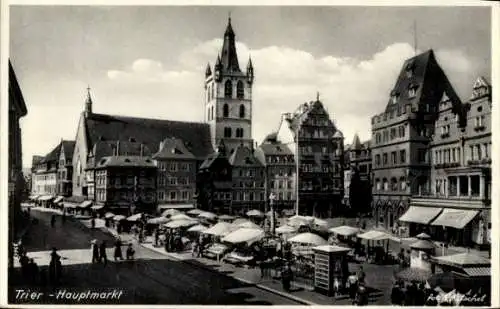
{"points": [[402, 156], [394, 184], [161, 195], [402, 131], [173, 181], [212, 113], [173, 195], [239, 132], [412, 92], [240, 91], [402, 183], [378, 185], [394, 98], [213, 92], [227, 132], [479, 154], [384, 156], [393, 158], [228, 89], [173, 167], [242, 111], [184, 195], [377, 160], [386, 184], [393, 133], [378, 138], [225, 110], [422, 154]]}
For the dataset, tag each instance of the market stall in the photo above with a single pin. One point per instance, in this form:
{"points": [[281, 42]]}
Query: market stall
{"points": [[170, 212], [331, 268], [242, 240], [377, 248]]}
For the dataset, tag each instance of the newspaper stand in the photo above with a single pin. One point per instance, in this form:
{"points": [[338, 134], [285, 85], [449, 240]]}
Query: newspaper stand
{"points": [[328, 261]]}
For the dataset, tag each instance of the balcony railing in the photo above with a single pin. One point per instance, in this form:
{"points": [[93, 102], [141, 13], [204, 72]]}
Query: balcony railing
{"points": [[479, 162], [447, 165]]}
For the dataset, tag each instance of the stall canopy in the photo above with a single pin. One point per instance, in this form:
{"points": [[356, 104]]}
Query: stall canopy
{"points": [[220, 229], [299, 220], [255, 213], [207, 215], [58, 199], [109, 215], [175, 206], [180, 223], [158, 220], [194, 212], [244, 235], [97, 207], [422, 215], [248, 225], [134, 217], [456, 218], [465, 259], [345, 230], [286, 229], [45, 198], [375, 235], [308, 238], [85, 204], [180, 217], [170, 212], [478, 271], [197, 228]]}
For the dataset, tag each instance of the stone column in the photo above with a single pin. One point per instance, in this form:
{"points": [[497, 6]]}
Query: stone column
{"points": [[469, 186], [482, 193], [458, 185]]}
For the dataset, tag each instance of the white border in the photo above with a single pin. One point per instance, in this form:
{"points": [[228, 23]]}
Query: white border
{"points": [[495, 52]]}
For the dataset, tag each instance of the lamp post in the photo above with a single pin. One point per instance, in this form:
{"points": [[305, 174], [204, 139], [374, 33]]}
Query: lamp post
{"points": [[272, 197]]}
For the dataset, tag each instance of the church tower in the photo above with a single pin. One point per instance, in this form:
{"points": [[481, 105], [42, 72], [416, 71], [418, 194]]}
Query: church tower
{"points": [[228, 97]]}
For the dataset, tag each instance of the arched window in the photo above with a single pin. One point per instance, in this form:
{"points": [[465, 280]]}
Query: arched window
{"points": [[228, 89], [208, 114], [386, 184], [402, 183], [242, 111], [394, 184], [225, 110], [212, 113], [239, 132], [209, 93], [378, 184], [240, 91], [213, 92]]}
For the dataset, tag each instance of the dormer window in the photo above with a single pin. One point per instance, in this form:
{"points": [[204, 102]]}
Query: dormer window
{"points": [[412, 91], [410, 67], [394, 97]]}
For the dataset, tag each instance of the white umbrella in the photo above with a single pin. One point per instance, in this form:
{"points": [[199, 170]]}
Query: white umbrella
{"points": [[180, 217], [345, 230], [180, 223], [226, 218], [197, 228], [119, 217], [207, 215], [158, 220], [320, 222], [248, 225], [244, 235], [308, 238], [109, 215], [286, 229], [298, 221], [240, 221], [255, 213], [194, 212], [170, 212], [375, 235], [134, 217], [220, 229]]}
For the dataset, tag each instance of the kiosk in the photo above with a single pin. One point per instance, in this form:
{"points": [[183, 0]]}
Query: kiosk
{"points": [[330, 266]]}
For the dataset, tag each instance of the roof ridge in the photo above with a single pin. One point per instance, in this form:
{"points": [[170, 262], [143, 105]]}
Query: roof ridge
{"points": [[145, 118]]}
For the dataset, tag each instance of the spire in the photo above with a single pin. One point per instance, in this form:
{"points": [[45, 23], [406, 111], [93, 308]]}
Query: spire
{"points": [[317, 96], [88, 102], [250, 74], [208, 71], [356, 143], [229, 56], [249, 65]]}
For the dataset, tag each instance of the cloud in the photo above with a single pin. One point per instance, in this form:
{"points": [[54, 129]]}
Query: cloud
{"points": [[351, 89]]}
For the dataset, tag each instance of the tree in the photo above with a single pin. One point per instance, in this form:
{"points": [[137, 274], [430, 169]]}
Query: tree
{"points": [[359, 193]]}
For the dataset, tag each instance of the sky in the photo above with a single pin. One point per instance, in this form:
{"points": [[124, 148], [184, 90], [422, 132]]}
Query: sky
{"points": [[150, 61]]}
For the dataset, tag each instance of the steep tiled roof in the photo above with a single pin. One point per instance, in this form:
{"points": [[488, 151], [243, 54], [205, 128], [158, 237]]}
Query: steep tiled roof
{"points": [[295, 121], [53, 155], [68, 147], [275, 148], [229, 57], [125, 161], [173, 148], [356, 143], [15, 94], [427, 78], [243, 156], [150, 132]]}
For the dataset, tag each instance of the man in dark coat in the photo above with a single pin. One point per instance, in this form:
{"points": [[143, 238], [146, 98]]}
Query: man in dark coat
{"points": [[95, 252], [102, 253], [118, 250]]}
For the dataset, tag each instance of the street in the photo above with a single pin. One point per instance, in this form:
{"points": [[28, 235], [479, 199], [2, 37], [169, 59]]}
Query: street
{"points": [[151, 279]]}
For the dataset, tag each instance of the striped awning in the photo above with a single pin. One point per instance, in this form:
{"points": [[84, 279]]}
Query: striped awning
{"points": [[478, 271], [456, 218], [85, 204], [422, 215]]}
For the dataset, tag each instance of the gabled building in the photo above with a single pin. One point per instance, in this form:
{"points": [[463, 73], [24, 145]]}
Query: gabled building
{"points": [[402, 136], [318, 150], [248, 181], [176, 179], [357, 180], [214, 182], [280, 171], [65, 169]]}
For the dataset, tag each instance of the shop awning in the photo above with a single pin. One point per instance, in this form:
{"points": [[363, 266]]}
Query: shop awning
{"points": [[70, 205], [85, 204], [97, 207], [58, 199], [422, 215], [175, 206], [456, 218], [478, 271]]}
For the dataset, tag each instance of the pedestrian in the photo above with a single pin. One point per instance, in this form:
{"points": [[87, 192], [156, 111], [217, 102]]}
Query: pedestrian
{"points": [[118, 250], [102, 253], [95, 251], [362, 296], [396, 294], [262, 266], [33, 271], [130, 252], [43, 278], [361, 275], [24, 261], [420, 295], [92, 222], [352, 283], [194, 248], [287, 277]]}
